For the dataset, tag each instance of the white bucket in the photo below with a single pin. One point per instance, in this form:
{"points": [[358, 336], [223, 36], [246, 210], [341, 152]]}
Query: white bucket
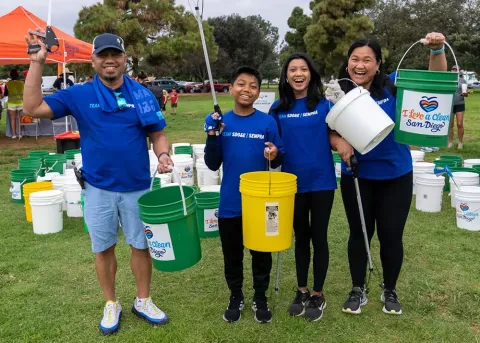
{"points": [[221, 173], [360, 120], [429, 192], [198, 152], [470, 163], [170, 184], [47, 214], [58, 183], [48, 176], [205, 176], [417, 155], [77, 160], [467, 201], [184, 167], [70, 173], [180, 157], [462, 179], [214, 188], [165, 178], [72, 194], [421, 168]]}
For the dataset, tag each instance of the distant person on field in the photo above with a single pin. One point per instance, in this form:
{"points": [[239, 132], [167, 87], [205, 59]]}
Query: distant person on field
{"points": [[163, 104], [242, 153], [458, 111], [59, 82], [174, 100], [14, 91], [1, 98], [114, 114]]}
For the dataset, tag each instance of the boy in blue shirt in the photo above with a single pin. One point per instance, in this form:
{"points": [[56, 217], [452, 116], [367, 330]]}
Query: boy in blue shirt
{"points": [[242, 140]]}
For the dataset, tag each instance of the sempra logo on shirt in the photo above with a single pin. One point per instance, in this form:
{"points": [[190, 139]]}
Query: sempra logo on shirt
{"points": [[298, 115], [98, 106], [381, 102], [243, 135]]}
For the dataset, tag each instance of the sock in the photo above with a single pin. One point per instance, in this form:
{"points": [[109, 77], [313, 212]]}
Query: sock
{"points": [[140, 302]]}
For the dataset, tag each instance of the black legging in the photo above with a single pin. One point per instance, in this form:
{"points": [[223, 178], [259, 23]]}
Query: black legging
{"points": [[386, 203], [318, 205]]}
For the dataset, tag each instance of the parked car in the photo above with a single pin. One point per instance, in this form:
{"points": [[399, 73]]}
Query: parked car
{"points": [[194, 87], [219, 87], [474, 85]]}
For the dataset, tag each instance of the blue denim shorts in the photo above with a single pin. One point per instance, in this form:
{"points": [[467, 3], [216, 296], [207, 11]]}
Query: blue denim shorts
{"points": [[104, 210]]}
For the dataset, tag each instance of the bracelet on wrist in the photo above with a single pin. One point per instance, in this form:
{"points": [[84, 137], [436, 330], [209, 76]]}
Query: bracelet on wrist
{"points": [[438, 51], [163, 153]]}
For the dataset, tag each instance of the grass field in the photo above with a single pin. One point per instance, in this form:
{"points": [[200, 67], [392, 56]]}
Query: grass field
{"points": [[49, 290]]}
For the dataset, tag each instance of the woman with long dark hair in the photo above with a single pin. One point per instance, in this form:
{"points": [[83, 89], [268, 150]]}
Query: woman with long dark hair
{"points": [[384, 174], [300, 114]]}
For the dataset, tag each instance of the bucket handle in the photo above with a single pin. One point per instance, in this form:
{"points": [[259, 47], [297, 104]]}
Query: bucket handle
{"points": [[422, 41], [342, 79], [47, 170], [176, 175]]}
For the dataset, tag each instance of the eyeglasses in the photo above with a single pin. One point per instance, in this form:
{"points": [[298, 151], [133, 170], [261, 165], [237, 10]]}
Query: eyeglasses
{"points": [[121, 102]]}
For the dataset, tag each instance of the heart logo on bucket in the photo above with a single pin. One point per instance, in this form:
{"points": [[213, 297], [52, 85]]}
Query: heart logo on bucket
{"points": [[216, 213], [428, 104], [148, 233], [464, 207]]}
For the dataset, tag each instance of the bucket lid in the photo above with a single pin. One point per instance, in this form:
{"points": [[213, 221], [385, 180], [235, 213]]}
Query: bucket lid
{"points": [[465, 175], [53, 193], [467, 190], [472, 161], [430, 179]]}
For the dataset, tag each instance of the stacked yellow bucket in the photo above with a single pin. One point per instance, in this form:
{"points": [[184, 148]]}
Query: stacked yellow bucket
{"points": [[30, 188], [268, 199]]}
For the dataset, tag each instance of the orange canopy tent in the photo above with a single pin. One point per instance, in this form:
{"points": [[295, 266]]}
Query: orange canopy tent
{"points": [[14, 27]]}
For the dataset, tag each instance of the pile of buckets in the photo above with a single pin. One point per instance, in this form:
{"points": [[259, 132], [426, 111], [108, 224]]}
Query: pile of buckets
{"points": [[429, 187], [45, 183]]}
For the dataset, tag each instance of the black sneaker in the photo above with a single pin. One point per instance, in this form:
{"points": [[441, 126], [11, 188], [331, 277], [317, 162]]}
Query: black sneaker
{"points": [[297, 308], [234, 309], [314, 308], [261, 310], [391, 303], [356, 299]]}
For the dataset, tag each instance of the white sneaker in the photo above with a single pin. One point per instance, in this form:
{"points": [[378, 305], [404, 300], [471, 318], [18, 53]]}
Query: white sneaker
{"points": [[112, 313], [460, 146], [14, 137], [450, 145], [147, 310]]}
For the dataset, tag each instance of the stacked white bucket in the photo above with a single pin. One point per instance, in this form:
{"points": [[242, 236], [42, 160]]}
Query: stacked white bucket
{"points": [[421, 168], [77, 160], [47, 214], [462, 179], [183, 165], [467, 201], [470, 163], [71, 190], [429, 189]]}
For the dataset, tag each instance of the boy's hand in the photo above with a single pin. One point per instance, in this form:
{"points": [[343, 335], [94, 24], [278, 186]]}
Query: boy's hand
{"points": [[213, 122], [270, 151]]}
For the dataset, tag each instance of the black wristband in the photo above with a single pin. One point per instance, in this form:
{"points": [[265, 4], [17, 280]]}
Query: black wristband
{"points": [[163, 153]]}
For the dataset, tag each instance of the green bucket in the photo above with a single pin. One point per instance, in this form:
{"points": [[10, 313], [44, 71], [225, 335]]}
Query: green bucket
{"points": [[207, 214], [20, 177], [32, 163], [70, 156], [85, 227], [337, 161], [455, 158], [180, 150], [55, 163], [424, 106], [172, 237]]}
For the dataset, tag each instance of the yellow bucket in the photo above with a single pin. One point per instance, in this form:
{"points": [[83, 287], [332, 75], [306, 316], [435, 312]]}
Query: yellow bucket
{"points": [[268, 199], [30, 188]]}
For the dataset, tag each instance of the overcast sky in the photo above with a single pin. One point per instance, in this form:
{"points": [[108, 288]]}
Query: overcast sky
{"points": [[65, 12]]}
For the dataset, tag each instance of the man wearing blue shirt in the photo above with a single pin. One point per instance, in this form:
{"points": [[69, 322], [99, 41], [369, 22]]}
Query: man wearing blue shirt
{"points": [[114, 114], [247, 138]]}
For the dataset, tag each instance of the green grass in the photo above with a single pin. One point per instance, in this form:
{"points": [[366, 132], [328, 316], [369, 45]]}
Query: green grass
{"points": [[49, 291]]}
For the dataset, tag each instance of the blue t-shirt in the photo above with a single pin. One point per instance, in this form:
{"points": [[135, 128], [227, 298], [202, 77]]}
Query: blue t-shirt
{"points": [[240, 148], [308, 152], [389, 159], [114, 145]]}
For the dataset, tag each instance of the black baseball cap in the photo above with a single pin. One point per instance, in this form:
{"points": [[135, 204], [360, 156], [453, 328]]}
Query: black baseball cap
{"points": [[107, 41]]}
